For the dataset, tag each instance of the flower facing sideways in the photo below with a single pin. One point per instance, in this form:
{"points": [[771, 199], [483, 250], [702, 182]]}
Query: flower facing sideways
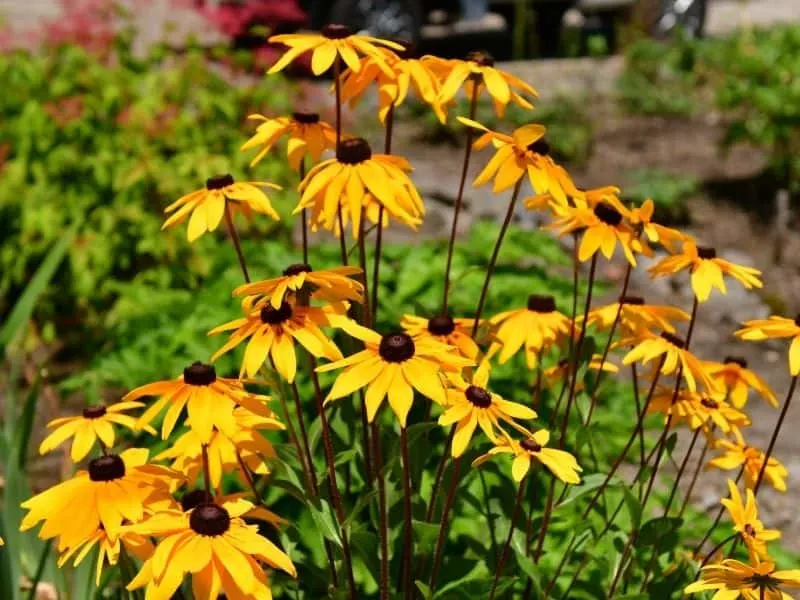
{"points": [[697, 410], [773, 328], [445, 330], [636, 315], [746, 522], [305, 132], [534, 448], [736, 379], [733, 579], [737, 454]]}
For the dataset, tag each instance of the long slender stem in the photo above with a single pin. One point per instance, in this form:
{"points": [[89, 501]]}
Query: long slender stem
{"points": [[440, 539], [716, 548], [637, 400], [621, 569], [387, 149], [493, 260], [507, 546], [545, 522], [304, 214], [408, 539], [473, 106], [695, 477], [236, 243], [775, 433], [382, 511], [312, 476], [207, 474], [439, 473], [717, 519], [362, 260]]}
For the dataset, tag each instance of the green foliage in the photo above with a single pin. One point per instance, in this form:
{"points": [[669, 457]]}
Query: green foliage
{"points": [[668, 191]]}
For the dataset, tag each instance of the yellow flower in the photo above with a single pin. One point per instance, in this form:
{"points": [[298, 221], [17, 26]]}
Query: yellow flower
{"points": [[537, 327], [736, 379], [305, 132], [114, 489], [559, 462], [330, 285], [697, 409], [470, 404], [108, 549], [636, 316], [214, 544], [641, 217], [648, 345], [331, 42], [775, 327], [733, 579], [95, 422], [478, 70], [736, 454], [209, 401], [395, 365], [207, 206], [445, 330], [274, 331], [557, 374], [746, 522], [706, 270], [355, 177], [523, 152]]}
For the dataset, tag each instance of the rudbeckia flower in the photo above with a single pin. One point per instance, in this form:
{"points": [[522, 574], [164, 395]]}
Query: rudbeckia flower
{"points": [[274, 331], [305, 132], [636, 316], [537, 327], [95, 422], [736, 379], [696, 410], [331, 42], [733, 579], [524, 152], [707, 270], [214, 544], [478, 72], [330, 285], [395, 365], [445, 330], [736, 454], [773, 328], [346, 183], [557, 374], [108, 549], [114, 489], [470, 404], [746, 522], [208, 399], [559, 462], [207, 206], [641, 217], [648, 345]]}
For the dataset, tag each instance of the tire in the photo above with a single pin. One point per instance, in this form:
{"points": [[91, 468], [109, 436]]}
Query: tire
{"points": [[686, 15], [388, 19]]}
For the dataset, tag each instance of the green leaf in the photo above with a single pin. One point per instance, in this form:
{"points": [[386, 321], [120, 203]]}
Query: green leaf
{"points": [[37, 576], [658, 528], [362, 501], [24, 425], [424, 590], [526, 563], [633, 505], [589, 484], [325, 522], [425, 535]]}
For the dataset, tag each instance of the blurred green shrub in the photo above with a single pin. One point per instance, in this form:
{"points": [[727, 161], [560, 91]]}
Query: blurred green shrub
{"points": [[668, 191]]}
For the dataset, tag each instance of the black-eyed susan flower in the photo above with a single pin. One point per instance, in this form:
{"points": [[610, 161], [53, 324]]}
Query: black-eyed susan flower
{"points": [[641, 217], [306, 135], [558, 373], [214, 545], [669, 347], [746, 522], [444, 329], [697, 410], [636, 315], [209, 401], [352, 179], [108, 549], [394, 365], [732, 579], [536, 327], [114, 489], [272, 334], [332, 42], [94, 423], [470, 405], [707, 270], [772, 328], [524, 152], [477, 73], [736, 454], [207, 206], [736, 379], [560, 463]]}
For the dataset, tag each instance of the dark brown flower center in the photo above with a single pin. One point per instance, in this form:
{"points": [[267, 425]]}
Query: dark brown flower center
{"points": [[210, 520], [305, 118], [94, 412], [563, 363], [276, 316], [296, 269], [334, 31], [541, 304], [441, 325], [637, 300], [478, 396], [709, 403], [193, 499], [530, 445], [608, 214], [353, 151], [396, 347], [106, 468], [750, 530], [199, 374], [481, 57], [706, 253], [219, 181], [673, 339], [540, 146], [737, 360], [797, 320]]}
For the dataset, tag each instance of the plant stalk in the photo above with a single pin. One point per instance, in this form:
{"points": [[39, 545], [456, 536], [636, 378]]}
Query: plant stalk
{"points": [[507, 546]]}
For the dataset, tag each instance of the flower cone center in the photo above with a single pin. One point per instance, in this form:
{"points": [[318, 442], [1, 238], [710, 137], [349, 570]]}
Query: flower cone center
{"points": [[709, 403], [353, 151], [481, 57], [541, 304], [706, 252], [296, 269], [441, 325], [750, 530], [540, 146], [334, 31], [736, 360], [673, 339], [219, 181], [478, 396], [305, 117], [94, 412], [210, 520], [276, 316], [199, 374], [637, 300], [396, 347], [608, 214], [530, 446], [106, 468], [193, 499]]}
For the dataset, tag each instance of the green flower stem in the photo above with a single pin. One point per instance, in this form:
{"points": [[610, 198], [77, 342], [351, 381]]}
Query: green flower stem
{"points": [[507, 546]]}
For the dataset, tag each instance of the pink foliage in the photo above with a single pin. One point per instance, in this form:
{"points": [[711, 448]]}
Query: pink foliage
{"points": [[234, 20]]}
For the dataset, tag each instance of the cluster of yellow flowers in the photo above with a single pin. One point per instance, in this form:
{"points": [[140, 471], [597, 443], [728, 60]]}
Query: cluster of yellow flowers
{"points": [[175, 519]]}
